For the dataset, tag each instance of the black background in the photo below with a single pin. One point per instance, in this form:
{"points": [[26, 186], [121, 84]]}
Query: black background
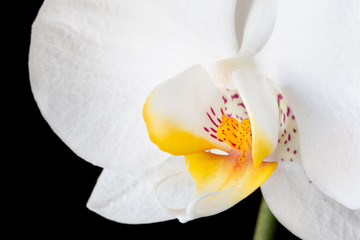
{"points": [[47, 185]]}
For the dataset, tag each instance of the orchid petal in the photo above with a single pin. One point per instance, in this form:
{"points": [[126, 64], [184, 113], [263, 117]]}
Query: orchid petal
{"points": [[304, 210], [125, 198], [319, 70], [260, 100], [182, 114], [259, 26], [295, 201], [292, 197], [92, 64]]}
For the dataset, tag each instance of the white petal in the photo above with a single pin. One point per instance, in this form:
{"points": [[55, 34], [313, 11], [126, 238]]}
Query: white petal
{"points": [[292, 197], [303, 209], [315, 53], [260, 101], [92, 64], [124, 198], [259, 26]]}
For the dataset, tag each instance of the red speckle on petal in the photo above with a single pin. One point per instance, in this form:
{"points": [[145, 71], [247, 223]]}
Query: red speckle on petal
{"points": [[212, 120], [233, 144], [289, 137], [294, 130], [288, 111], [234, 96], [213, 136], [241, 104], [279, 96], [295, 152], [224, 99], [206, 129]]}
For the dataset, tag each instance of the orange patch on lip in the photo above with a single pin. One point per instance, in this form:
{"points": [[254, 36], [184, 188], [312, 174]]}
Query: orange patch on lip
{"points": [[237, 135]]}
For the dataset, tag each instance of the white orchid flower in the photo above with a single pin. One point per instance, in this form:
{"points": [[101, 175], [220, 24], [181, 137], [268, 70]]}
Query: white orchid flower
{"points": [[94, 63]]}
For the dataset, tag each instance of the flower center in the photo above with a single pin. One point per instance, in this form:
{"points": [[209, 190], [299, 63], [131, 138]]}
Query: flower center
{"points": [[237, 135]]}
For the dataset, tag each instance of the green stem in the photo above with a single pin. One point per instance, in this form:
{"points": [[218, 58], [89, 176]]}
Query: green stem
{"points": [[266, 223]]}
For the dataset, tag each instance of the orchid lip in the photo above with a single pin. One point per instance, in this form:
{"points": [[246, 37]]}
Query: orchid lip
{"points": [[211, 128], [189, 212]]}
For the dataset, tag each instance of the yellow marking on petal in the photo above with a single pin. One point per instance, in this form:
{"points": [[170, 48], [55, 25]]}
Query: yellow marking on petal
{"points": [[169, 136], [234, 176], [262, 145]]}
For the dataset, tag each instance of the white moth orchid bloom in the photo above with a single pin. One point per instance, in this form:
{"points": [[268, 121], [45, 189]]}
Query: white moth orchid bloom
{"points": [[93, 64]]}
